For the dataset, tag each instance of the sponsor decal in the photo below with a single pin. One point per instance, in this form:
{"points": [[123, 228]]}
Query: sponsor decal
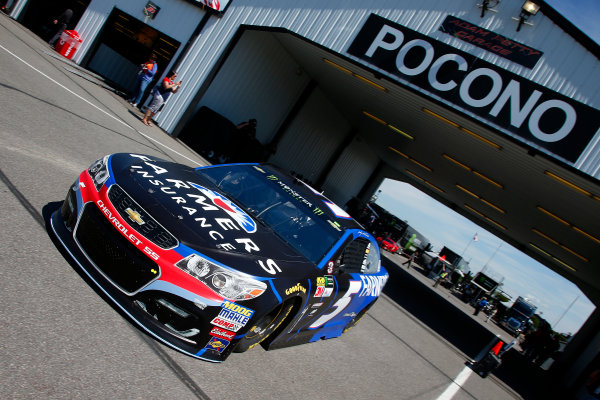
{"points": [[222, 333], [330, 266], [314, 308], [230, 208], [329, 282], [319, 291], [325, 286], [536, 114], [365, 258], [202, 205], [217, 344], [362, 234], [134, 216], [372, 285], [326, 280], [232, 316], [336, 225], [296, 288], [294, 194], [490, 41], [218, 321], [236, 308], [125, 231]]}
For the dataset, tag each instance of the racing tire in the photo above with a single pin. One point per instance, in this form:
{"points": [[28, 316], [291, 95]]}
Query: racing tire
{"points": [[264, 327]]}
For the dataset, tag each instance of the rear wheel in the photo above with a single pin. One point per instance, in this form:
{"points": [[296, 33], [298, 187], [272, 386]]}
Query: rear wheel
{"points": [[264, 327]]}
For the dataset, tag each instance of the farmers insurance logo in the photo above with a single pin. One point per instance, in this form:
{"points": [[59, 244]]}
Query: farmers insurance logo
{"points": [[539, 115], [226, 205]]}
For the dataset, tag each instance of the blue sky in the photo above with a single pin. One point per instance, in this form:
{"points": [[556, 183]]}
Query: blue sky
{"points": [[522, 275], [560, 301]]}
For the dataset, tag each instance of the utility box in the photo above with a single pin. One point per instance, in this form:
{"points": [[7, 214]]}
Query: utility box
{"points": [[68, 43]]}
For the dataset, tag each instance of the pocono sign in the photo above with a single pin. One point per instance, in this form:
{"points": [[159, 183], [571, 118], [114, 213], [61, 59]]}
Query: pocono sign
{"points": [[530, 111]]}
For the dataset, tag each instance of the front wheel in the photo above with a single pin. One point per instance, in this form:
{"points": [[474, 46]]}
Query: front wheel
{"points": [[264, 327]]}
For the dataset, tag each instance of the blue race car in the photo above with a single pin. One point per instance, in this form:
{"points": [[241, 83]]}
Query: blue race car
{"points": [[218, 259]]}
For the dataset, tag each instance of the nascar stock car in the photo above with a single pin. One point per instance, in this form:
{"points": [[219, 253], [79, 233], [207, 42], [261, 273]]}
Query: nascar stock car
{"points": [[218, 259]]}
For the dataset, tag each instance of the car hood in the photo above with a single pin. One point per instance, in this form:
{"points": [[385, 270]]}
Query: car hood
{"points": [[203, 218]]}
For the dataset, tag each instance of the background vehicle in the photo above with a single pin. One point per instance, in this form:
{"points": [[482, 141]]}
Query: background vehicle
{"points": [[518, 316], [388, 244]]}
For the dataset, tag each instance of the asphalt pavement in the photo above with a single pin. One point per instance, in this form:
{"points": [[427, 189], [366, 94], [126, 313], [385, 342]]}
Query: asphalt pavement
{"points": [[59, 338]]}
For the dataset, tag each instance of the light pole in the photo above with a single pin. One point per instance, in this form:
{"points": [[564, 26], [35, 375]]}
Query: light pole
{"points": [[475, 238], [492, 256]]}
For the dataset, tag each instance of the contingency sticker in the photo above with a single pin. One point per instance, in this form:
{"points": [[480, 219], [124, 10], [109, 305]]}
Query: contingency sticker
{"points": [[217, 344]]}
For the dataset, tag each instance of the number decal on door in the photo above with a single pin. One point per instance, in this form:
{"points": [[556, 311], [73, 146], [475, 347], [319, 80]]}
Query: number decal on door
{"points": [[339, 305]]}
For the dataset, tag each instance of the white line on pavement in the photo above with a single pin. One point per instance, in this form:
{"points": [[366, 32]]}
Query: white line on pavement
{"points": [[95, 106], [456, 384]]}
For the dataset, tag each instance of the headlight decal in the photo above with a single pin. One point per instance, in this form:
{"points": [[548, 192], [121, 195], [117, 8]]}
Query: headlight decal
{"points": [[227, 283], [100, 172]]}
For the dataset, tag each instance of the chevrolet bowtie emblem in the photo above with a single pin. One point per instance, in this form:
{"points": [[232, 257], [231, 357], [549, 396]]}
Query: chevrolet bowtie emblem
{"points": [[135, 216]]}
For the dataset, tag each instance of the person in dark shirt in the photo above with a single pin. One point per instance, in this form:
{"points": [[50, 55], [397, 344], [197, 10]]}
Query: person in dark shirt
{"points": [[161, 93], [60, 23]]}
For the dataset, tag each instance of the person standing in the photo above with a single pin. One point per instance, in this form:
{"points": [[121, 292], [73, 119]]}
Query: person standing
{"points": [[60, 23], [480, 306], [161, 94], [441, 278], [411, 258], [145, 76]]}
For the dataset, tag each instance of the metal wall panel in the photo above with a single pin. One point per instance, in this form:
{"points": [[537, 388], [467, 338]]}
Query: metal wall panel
{"points": [[350, 172], [176, 18], [566, 67], [334, 24], [312, 137], [266, 88]]}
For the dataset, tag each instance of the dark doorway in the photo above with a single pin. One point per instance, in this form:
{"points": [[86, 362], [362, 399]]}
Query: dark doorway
{"points": [[123, 44], [38, 15]]}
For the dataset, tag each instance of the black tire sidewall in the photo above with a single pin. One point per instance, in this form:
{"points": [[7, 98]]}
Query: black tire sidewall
{"points": [[283, 311]]}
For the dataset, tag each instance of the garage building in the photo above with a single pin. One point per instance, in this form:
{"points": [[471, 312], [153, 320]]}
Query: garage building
{"points": [[491, 107]]}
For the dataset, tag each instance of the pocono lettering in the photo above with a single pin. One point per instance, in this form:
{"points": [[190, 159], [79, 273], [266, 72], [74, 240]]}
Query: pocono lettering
{"points": [[500, 94]]}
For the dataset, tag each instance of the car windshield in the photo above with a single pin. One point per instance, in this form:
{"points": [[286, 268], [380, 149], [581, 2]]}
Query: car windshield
{"points": [[283, 206]]}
